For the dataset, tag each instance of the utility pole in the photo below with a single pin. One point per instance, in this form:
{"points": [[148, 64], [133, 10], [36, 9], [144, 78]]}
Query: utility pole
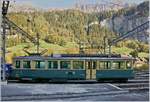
{"points": [[109, 50], [104, 44], [4, 13], [3, 49], [38, 37], [109, 43]]}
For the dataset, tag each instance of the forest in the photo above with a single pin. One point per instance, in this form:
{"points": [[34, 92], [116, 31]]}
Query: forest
{"points": [[64, 31]]}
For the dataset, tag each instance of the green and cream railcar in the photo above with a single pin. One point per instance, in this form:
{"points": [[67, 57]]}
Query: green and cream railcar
{"points": [[72, 67]]}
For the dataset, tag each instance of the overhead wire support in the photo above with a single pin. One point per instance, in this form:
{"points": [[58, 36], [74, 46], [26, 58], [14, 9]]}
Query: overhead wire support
{"points": [[135, 30], [34, 40], [5, 6], [18, 29], [131, 32], [8, 24]]}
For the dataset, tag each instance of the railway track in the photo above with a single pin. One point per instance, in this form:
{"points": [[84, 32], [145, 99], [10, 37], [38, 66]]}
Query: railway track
{"points": [[142, 75], [139, 83], [134, 86]]}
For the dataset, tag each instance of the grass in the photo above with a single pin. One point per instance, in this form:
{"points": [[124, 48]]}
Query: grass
{"points": [[121, 50], [17, 47], [52, 48], [143, 54], [69, 47]]}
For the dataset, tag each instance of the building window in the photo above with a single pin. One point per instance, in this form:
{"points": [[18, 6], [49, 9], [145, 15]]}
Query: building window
{"points": [[17, 64], [26, 64], [52, 64], [65, 64], [40, 64], [78, 64]]}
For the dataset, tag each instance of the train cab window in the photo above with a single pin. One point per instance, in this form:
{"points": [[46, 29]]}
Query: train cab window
{"points": [[128, 65], [65, 64], [26, 64], [40, 64], [78, 64], [52, 64], [18, 64]]}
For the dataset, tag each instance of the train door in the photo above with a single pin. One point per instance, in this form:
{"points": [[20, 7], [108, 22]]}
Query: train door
{"points": [[90, 70]]}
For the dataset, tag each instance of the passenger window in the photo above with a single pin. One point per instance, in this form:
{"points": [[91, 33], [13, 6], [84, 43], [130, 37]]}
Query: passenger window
{"points": [[104, 65], [101, 65], [115, 65], [118, 65], [52, 64], [78, 65], [122, 65], [26, 64], [40, 64], [17, 64], [65, 64], [107, 64]]}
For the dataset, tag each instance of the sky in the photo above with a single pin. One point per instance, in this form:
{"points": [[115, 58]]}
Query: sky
{"points": [[46, 4]]}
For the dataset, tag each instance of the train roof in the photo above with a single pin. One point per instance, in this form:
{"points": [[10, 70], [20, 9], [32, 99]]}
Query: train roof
{"points": [[76, 56]]}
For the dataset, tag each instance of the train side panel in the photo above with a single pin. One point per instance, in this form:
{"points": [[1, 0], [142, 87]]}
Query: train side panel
{"points": [[114, 74], [48, 74]]}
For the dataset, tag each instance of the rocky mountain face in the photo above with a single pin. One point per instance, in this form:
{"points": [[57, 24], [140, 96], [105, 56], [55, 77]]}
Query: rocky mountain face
{"points": [[129, 20], [120, 24]]}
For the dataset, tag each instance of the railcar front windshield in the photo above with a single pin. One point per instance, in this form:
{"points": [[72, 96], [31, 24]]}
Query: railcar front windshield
{"points": [[129, 64]]}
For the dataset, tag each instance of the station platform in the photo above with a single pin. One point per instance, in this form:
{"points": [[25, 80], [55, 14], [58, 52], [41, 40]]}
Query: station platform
{"points": [[23, 89], [4, 82]]}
